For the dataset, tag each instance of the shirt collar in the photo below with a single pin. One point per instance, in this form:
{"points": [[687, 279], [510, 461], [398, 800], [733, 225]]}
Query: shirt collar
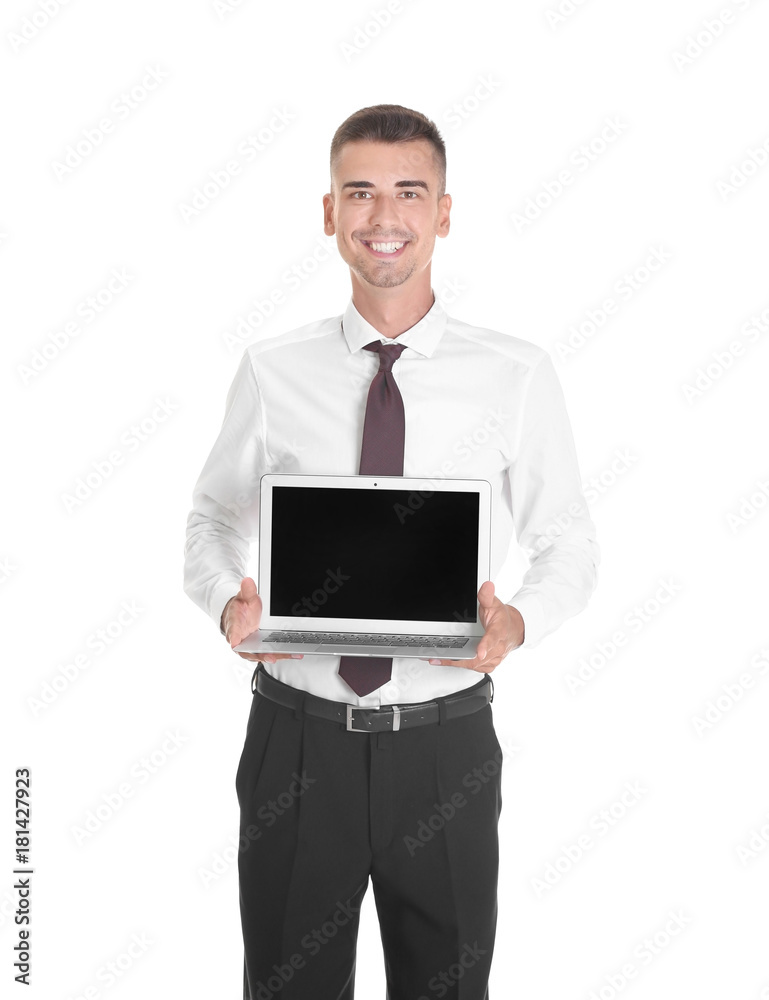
{"points": [[421, 339]]}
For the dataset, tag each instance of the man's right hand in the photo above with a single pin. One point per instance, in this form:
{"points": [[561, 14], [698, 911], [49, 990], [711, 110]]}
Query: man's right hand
{"points": [[241, 616]]}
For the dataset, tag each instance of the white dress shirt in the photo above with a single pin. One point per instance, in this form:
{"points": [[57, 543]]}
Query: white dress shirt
{"points": [[479, 405]]}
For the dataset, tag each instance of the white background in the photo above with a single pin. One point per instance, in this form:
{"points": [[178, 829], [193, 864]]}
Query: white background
{"points": [[669, 475]]}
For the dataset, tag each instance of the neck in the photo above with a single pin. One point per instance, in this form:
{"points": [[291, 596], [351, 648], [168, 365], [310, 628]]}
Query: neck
{"points": [[392, 311]]}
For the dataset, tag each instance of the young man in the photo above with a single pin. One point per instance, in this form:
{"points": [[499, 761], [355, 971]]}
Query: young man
{"points": [[393, 386]]}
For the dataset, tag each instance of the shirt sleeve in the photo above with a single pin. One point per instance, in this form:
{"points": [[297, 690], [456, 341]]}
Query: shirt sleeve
{"points": [[224, 519], [550, 513]]}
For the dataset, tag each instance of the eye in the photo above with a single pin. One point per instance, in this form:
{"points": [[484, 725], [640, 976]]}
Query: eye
{"points": [[356, 193], [412, 193]]}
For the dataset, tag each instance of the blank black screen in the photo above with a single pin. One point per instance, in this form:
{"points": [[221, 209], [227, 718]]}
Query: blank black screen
{"points": [[375, 553]]}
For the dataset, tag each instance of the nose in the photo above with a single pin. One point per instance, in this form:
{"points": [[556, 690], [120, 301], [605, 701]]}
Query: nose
{"points": [[383, 213]]}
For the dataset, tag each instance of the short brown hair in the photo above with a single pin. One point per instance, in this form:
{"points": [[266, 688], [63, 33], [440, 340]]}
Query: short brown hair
{"points": [[391, 123]]}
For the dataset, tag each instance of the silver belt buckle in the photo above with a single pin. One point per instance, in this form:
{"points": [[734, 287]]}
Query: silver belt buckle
{"points": [[396, 719], [350, 727]]}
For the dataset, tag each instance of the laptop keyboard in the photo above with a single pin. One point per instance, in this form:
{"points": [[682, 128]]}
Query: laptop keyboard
{"points": [[369, 639]]}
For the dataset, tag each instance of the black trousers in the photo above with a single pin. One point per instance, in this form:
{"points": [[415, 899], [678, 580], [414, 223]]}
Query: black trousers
{"points": [[323, 809]]}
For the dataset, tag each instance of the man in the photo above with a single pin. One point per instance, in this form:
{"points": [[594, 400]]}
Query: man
{"points": [[324, 807]]}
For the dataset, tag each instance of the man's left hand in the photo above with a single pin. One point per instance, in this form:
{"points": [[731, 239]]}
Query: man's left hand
{"points": [[503, 632]]}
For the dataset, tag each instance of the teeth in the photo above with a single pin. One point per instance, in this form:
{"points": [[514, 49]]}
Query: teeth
{"points": [[386, 247]]}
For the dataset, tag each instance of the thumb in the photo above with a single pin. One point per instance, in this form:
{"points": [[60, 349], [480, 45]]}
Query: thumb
{"points": [[248, 589], [486, 597]]}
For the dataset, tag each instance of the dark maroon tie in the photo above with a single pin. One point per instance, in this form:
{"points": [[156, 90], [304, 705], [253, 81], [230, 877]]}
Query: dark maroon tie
{"points": [[384, 437]]}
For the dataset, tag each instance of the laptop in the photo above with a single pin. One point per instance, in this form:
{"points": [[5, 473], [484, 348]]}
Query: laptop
{"points": [[371, 565]]}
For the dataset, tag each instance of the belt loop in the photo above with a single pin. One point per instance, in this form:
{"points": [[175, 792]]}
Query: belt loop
{"points": [[442, 711], [491, 697], [253, 676]]}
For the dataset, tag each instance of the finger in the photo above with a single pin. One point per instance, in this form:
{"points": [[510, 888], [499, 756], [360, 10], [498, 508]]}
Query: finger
{"points": [[248, 589], [486, 594], [450, 663], [487, 646], [272, 657], [479, 663]]}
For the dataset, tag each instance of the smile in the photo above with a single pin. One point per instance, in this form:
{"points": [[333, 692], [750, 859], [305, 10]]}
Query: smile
{"points": [[393, 249]]}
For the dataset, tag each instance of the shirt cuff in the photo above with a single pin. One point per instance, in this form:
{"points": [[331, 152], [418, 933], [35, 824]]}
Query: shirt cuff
{"points": [[529, 607]]}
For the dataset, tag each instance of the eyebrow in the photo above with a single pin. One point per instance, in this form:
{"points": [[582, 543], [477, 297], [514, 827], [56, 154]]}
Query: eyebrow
{"points": [[398, 184]]}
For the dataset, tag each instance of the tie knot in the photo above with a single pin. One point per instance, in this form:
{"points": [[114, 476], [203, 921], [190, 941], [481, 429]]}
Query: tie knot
{"points": [[388, 353]]}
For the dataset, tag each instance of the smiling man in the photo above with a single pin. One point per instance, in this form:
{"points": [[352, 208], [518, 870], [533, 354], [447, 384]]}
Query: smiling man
{"points": [[410, 797]]}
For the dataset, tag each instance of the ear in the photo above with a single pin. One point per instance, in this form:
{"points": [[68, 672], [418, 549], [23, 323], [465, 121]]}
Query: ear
{"points": [[328, 215], [444, 216]]}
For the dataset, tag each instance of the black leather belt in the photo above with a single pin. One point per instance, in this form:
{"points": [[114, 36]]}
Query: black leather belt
{"points": [[389, 718]]}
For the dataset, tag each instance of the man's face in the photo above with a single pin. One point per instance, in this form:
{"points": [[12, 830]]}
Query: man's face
{"points": [[384, 194]]}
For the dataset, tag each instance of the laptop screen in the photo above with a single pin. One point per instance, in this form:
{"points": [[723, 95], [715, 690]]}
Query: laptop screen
{"points": [[374, 553]]}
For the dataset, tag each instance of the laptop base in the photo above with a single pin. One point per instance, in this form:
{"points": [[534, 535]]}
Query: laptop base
{"points": [[258, 642]]}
